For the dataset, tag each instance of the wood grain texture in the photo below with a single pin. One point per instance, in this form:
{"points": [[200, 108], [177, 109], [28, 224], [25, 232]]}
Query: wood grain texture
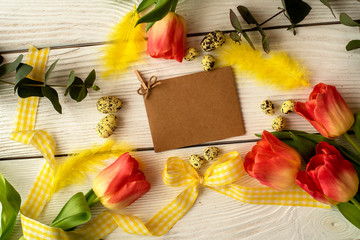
{"points": [[213, 215], [327, 61], [66, 22]]}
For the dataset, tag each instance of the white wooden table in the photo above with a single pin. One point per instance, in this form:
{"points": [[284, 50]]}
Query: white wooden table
{"points": [[76, 30]]}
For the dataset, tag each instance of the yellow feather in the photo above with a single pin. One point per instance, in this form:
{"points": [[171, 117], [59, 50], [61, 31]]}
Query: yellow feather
{"points": [[78, 165], [128, 44], [276, 69]]}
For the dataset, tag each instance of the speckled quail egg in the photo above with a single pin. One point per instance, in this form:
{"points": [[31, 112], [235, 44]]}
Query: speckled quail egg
{"points": [[196, 161], [288, 106], [212, 41], [107, 126], [208, 62], [210, 153], [267, 107], [109, 104], [278, 123], [191, 54]]}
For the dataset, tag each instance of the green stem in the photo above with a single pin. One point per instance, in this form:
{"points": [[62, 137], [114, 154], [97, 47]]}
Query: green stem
{"points": [[355, 202], [353, 144], [91, 198], [173, 6], [39, 85]]}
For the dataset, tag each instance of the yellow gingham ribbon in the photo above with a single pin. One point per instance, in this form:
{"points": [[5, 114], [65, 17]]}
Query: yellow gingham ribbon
{"points": [[219, 177]]}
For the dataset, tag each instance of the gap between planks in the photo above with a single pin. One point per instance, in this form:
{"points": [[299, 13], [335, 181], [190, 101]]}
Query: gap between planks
{"points": [[145, 149], [91, 44]]}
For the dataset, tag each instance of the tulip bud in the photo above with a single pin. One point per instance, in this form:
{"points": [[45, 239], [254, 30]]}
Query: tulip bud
{"points": [[327, 111], [329, 177], [167, 38], [121, 183], [273, 162]]}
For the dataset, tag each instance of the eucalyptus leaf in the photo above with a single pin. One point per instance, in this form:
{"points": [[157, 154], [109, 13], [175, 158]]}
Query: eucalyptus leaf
{"points": [[149, 25], [356, 126], [90, 79], [161, 9], [1, 59], [82, 94], [96, 88], [10, 201], [48, 72], [21, 72], [29, 88], [235, 22], [74, 213], [70, 82], [347, 20], [145, 4], [235, 37], [350, 212], [246, 15], [353, 44], [52, 95], [326, 3], [265, 40], [296, 10], [10, 67], [75, 90]]}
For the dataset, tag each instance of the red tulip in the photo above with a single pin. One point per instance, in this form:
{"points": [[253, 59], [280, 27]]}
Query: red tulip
{"points": [[167, 38], [327, 111], [273, 162], [329, 177], [121, 183]]}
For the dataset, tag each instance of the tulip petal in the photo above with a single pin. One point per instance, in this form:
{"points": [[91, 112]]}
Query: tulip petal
{"points": [[125, 196], [307, 183]]}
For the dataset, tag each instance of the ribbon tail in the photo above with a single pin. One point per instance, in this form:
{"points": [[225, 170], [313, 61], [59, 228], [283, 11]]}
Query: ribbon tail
{"points": [[262, 195], [165, 219]]}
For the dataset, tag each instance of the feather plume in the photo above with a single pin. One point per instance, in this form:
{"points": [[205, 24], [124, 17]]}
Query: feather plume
{"points": [[127, 44], [276, 69], [75, 168]]}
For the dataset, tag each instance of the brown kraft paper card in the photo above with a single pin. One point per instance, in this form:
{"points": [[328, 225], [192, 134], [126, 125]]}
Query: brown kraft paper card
{"points": [[194, 109]]}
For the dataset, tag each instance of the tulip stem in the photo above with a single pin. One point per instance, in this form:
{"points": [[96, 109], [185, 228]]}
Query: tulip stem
{"points": [[91, 198], [355, 202], [173, 6], [353, 144]]}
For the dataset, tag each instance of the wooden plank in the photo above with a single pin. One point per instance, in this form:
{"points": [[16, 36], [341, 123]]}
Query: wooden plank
{"points": [[67, 22], [327, 60], [212, 216]]}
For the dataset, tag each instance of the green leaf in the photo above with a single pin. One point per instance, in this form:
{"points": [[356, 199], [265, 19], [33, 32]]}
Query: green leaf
{"points": [[304, 146], [353, 44], [234, 36], [10, 201], [296, 10], [70, 82], [90, 79], [75, 90], [82, 94], [24, 90], [236, 24], [265, 40], [21, 72], [145, 4], [326, 3], [149, 25], [246, 15], [160, 11], [96, 88], [316, 137], [74, 213], [1, 59], [48, 72], [350, 212], [10, 67], [52, 95], [347, 20], [356, 125]]}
